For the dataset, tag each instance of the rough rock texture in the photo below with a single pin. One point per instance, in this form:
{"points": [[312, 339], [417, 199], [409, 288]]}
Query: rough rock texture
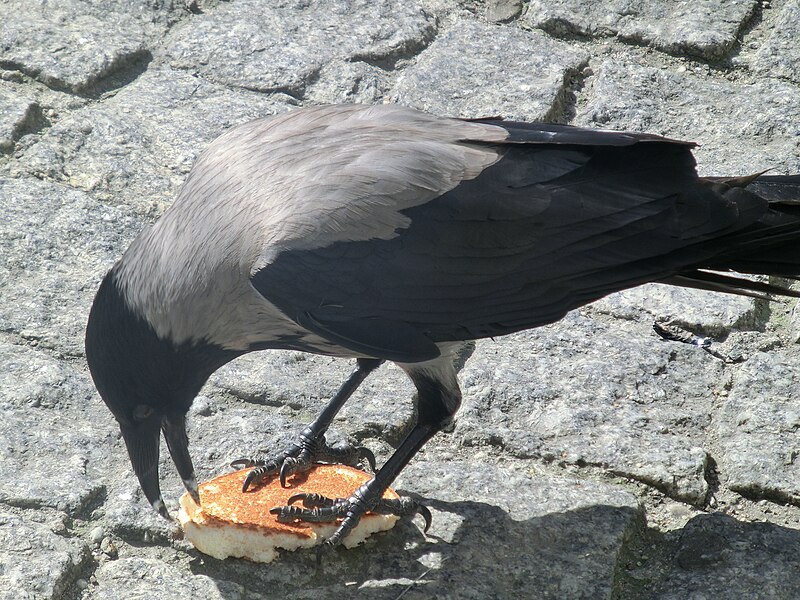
{"points": [[56, 243], [136, 147], [65, 46], [757, 428], [675, 103], [705, 28], [38, 468], [36, 561], [570, 404], [714, 551], [779, 56], [503, 11], [143, 578], [586, 453], [17, 114], [478, 70], [264, 52], [695, 310]]}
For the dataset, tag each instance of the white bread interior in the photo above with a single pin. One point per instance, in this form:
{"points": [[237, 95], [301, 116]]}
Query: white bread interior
{"points": [[230, 523]]}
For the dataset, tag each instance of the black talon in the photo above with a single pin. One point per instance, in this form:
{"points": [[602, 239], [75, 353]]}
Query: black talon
{"points": [[317, 508], [253, 477], [284, 473], [308, 450], [284, 514], [426, 514], [310, 500], [310, 446], [295, 497], [369, 456], [315, 500]]}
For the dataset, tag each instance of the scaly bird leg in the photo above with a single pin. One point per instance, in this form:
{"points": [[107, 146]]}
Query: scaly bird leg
{"points": [[310, 446], [367, 498], [321, 509], [438, 398]]}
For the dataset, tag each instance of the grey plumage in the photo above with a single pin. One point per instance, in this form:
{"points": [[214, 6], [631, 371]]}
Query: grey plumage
{"points": [[303, 180], [386, 233]]}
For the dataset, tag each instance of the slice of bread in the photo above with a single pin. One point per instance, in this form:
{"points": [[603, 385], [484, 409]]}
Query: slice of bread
{"points": [[232, 523]]}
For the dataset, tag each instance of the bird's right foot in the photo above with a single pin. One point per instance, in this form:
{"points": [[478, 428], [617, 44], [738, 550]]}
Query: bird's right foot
{"points": [[306, 451]]}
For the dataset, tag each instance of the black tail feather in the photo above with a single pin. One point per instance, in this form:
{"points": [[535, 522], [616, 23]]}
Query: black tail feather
{"points": [[777, 189], [771, 246], [731, 284]]}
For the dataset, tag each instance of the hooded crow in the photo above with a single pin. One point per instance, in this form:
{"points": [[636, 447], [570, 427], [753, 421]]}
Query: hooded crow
{"points": [[384, 233]]}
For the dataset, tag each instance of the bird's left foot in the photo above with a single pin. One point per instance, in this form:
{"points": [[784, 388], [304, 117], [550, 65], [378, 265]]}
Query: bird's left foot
{"points": [[368, 498], [309, 449]]}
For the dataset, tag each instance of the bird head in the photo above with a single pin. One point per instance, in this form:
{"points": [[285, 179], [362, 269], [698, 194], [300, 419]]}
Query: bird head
{"points": [[148, 383]]}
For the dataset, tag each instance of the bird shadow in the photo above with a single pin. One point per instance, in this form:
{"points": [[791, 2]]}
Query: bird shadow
{"points": [[479, 551]]}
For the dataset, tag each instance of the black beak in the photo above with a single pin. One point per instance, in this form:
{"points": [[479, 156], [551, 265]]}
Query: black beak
{"points": [[174, 428], [142, 444], [143, 449]]}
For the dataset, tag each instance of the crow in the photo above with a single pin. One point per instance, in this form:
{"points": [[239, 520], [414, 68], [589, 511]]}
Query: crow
{"points": [[382, 233]]}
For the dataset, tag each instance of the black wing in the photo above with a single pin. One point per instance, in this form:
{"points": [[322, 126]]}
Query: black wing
{"points": [[548, 228]]}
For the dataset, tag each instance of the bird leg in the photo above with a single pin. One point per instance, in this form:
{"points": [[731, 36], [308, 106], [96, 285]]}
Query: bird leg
{"points": [[310, 446], [367, 498], [438, 398], [321, 509]]}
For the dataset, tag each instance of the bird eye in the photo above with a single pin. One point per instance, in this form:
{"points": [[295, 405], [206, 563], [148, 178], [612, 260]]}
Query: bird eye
{"points": [[142, 411]]}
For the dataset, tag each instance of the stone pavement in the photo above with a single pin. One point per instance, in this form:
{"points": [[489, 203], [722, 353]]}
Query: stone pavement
{"points": [[591, 459]]}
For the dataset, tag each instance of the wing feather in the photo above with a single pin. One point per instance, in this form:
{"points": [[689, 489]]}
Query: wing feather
{"points": [[548, 227]]}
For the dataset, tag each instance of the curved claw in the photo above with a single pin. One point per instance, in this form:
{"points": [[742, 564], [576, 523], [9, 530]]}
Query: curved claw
{"points": [[369, 456], [190, 483], [295, 497], [286, 514], [287, 468], [425, 513], [312, 500], [243, 463], [253, 477]]}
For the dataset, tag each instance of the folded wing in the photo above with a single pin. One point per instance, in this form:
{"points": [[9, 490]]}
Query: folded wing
{"points": [[563, 217]]}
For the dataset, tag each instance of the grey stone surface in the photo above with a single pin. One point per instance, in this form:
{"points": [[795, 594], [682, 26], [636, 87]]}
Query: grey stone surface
{"points": [[720, 557], [696, 310], [757, 429], [346, 82], [570, 403], [138, 145], [17, 113], [56, 243], [518, 537], [36, 562], [380, 407], [38, 468], [265, 53], [146, 578], [503, 11], [465, 73], [759, 118], [570, 435], [65, 47], [704, 28], [779, 56]]}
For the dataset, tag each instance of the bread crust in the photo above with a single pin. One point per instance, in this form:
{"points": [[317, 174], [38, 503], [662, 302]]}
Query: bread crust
{"points": [[230, 523]]}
